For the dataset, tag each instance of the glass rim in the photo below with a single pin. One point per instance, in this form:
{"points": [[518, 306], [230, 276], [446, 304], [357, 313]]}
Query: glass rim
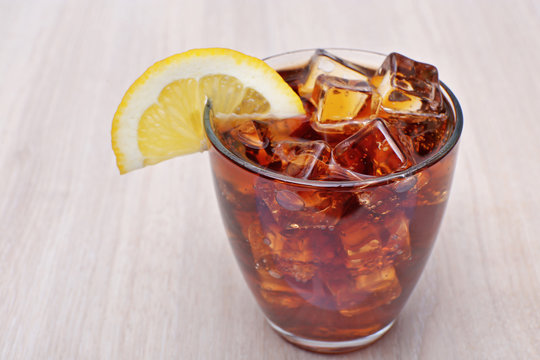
{"points": [[367, 182]]}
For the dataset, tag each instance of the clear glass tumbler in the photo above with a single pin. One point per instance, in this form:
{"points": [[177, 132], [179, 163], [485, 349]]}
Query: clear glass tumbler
{"points": [[332, 264]]}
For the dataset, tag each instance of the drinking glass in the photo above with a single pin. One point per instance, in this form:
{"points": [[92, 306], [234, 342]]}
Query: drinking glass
{"points": [[332, 263]]}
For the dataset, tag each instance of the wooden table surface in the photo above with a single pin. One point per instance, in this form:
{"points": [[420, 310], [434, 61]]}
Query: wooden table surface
{"points": [[94, 265]]}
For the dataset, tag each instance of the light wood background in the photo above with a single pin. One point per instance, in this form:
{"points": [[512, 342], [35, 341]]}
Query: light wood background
{"points": [[94, 265]]}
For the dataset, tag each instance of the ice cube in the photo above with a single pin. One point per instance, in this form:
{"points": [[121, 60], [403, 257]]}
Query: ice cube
{"points": [[362, 243], [411, 101], [321, 209], [252, 134], [297, 270], [334, 133], [378, 202], [301, 256], [340, 100], [250, 138], [437, 182], [428, 187], [366, 291], [371, 151], [408, 87], [238, 196], [284, 129], [424, 135], [409, 189], [301, 159], [279, 256], [335, 172], [343, 107], [277, 291], [294, 254], [264, 243], [241, 212], [325, 63], [296, 259], [397, 246]]}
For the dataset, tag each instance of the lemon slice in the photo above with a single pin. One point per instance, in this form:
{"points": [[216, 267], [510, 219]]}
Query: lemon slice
{"points": [[160, 116]]}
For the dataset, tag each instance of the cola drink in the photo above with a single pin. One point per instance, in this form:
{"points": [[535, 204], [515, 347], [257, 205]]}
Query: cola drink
{"points": [[332, 215]]}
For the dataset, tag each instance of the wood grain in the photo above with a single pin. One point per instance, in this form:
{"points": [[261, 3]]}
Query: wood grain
{"points": [[94, 265]]}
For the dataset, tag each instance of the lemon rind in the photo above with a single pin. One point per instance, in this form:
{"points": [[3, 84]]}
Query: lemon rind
{"points": [[194, 64]]}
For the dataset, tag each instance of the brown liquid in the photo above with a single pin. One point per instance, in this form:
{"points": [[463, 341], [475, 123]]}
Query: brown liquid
{"points": [[333, 263]]}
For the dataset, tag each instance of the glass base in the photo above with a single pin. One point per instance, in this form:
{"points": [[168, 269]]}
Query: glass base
{"points": [[330, 347]]}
